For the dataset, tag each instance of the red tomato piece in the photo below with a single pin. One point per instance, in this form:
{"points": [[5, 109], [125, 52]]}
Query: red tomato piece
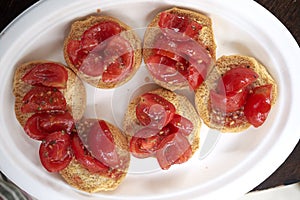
{"points": [[236, 79], [118, 57], [195, 53], [173, 149], [85, 158], [144, 143], [118, 47], [40, 125], [55, 152], [166, 69], [258, 105], [154, 111], [99, 33], [92, 64], [179, 28], [180, 124], [228, 102], [47, 74], [40, 99], [193, 29], [113, 73], [166, 47], [73, 47], [195, 77], [101, 144]]}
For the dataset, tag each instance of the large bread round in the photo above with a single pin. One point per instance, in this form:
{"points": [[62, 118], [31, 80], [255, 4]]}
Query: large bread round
{"points": [[183, 107], [77, 29], [205, 37], [74, 93], [224, 64], [79, 177]]}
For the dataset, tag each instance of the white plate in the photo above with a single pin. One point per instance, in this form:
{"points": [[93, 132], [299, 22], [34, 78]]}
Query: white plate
{"points": [[239, 161]]}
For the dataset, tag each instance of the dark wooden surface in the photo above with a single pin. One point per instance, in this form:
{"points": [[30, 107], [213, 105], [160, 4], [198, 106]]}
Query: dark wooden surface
{"points": [[287, 11]]}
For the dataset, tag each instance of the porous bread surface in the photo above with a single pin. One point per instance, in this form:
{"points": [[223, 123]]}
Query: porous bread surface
{"points": [[79, 177], [224, 64], [183, 108], [80, 26], [206, 38], [74, 93]]}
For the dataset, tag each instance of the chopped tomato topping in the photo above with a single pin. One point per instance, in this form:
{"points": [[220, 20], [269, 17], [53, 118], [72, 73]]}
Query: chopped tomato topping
{"points": [[43, 99], [47, 74]]}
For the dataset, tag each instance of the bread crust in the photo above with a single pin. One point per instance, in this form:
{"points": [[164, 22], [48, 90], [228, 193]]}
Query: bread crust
{"points": [[77, 29], [79, 177], [206, 38], [183, 108], [74, 93], [224, 64]]}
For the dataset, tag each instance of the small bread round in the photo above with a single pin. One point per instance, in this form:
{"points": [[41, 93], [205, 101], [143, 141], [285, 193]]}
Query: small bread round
{"points": [[77, 29], [206, 37], [74, 93], [183, 108], [224, 64], [79, 177]]}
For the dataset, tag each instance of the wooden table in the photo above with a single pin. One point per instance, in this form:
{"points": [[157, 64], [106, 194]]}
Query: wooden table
{"points": [[287, 11]]}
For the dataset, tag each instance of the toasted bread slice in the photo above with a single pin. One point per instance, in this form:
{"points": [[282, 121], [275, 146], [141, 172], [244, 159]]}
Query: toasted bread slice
{"points": [[205, 38], [183, 108], [80, 26], [74, 93], [79, 177], [224, 64]]}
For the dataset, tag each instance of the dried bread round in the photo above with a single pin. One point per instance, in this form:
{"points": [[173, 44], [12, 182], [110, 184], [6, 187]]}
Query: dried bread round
{"points": [[183, 107], [74, 92], [224, 64], [206, 38], [79, 177], [77, 29]]}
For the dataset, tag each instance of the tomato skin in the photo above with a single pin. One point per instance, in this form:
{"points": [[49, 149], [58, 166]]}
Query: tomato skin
{"points": [[173, 149], [236, 79], [43, 99], [145, 142], [92, 64], [165, 47], [195, 78], [258, 105], [181, 125], [228, 102], [47, 74], [85, 159], [101, 144], [73, 49], [99, 33], [179, 28], [55, 152], [101, 51], [166, 69], [154, 111], [39, 125], [195, 53]]}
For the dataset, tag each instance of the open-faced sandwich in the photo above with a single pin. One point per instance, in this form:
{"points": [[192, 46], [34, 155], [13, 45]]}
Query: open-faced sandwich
{"points": [[90, 154], [179, 48], [238, 93], [103, 51], [101, 156], [47, 89], [164, 125]]}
